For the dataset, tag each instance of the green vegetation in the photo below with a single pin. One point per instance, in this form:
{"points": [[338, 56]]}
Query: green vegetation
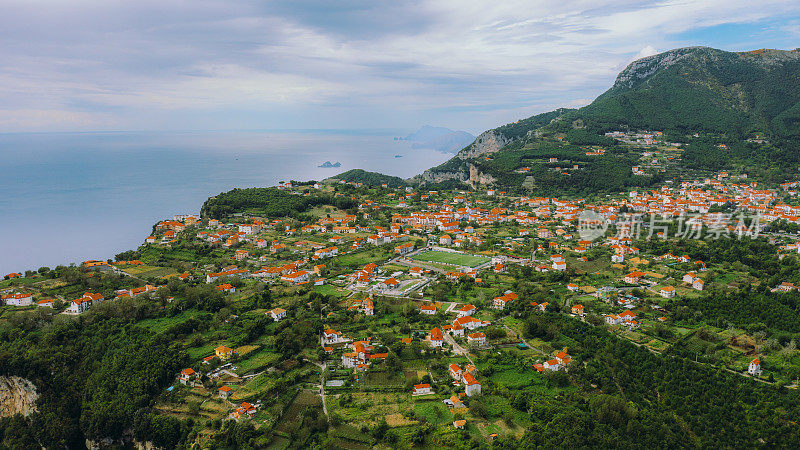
{"points": [[369, 178], [267, 202]]}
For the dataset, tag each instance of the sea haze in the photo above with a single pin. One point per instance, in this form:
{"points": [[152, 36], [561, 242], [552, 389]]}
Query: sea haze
{"points": [[69, 197]]}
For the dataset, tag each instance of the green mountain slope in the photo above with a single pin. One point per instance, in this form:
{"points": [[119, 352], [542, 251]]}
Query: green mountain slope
{"points": [[726, 97], [704, 89]]}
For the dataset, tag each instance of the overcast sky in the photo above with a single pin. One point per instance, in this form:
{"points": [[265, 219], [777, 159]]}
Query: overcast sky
{"points": [[298, 64]]}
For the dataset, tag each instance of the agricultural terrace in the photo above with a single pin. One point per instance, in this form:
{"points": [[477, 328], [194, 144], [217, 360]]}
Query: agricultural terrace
{"points": [[453, 258]]}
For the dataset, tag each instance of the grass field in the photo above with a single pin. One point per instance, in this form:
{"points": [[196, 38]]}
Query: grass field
{"points": [[458, 259]]}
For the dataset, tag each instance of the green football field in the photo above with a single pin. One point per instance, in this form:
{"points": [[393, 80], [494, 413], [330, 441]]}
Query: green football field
{"points": [[460, 259]]}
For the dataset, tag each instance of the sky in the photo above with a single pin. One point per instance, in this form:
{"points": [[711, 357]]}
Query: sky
{"points": [[78, 65]]}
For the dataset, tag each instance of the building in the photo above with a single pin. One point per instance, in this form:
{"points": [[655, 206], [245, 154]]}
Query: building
{"points": [[577, 309], [301, 276], [471, 385], [330, 336], [553, 364], [435, 337], [754, 368], [476, 339], [633, 277], [467, 310], [422, 389], [277, 314], [456, 372], [223, 352], [667, 292], [18, 299], [224, 392], [187, 375], [428, 309]]}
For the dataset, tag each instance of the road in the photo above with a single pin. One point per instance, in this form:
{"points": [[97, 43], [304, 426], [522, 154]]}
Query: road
{"points": [[459, 350]]}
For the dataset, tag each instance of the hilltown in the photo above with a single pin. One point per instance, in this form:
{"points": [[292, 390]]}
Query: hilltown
{"points": [[431, 284]]}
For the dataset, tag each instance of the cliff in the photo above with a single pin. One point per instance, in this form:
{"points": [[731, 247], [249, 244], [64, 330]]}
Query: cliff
{"points": [[17, 396]]}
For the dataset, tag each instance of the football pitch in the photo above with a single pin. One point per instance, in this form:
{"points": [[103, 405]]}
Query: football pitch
{"points": [[458, 259]]}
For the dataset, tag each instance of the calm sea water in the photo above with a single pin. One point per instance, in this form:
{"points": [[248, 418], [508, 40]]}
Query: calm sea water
{"points": [[69, 197]]}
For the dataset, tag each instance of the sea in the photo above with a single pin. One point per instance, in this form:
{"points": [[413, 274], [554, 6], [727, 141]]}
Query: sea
{"points": [[70, 197]]}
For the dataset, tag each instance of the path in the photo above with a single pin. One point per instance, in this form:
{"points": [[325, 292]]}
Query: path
{"points": [[322, 388]]}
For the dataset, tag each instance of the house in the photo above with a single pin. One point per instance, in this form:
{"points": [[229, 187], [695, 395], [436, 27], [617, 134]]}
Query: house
{"points": [[553, 364], [455, 372], [460, 424], [368, 308], [277, 314], [46, 302], [754, 368], [301, 276], [223, 352], [453, 402], [187, 375], [689, 277], [390, 283], [577, 309], [476, 339], [79, 305], [633, 277], [467, 310], [500, 303], [698, 284], [330, 336], [244, 410], [471, 385], [428, 309], [241, 255], [402, 249], [18, 299], [422, 389], [224, 392], [435, 337], [415, 271], [572, 287], [667, 291], [559, 265], [445, 240], [229, 288]]}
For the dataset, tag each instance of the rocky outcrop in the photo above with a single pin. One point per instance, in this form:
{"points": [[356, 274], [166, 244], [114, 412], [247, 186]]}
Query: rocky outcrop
{"points": [[477, 178], [17, 396], [487, 142]]}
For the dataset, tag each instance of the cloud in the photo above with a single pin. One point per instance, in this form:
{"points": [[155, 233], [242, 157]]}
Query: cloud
{"points": [[645, 52], [317, 64]]}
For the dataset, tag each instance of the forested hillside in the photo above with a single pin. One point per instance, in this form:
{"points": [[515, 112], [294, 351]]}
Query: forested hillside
{"points": [[369, 178], [267, 202]]}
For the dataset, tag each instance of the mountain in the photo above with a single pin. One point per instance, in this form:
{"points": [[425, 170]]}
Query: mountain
{"points": [[439, 138], [723, 96], [704, 89]]}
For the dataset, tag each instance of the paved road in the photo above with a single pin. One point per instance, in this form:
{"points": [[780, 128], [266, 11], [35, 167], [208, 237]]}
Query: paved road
{"points": [[457, 348]]}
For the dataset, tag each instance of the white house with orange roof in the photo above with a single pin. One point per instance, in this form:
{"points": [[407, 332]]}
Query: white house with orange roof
{"points": [[754, 368], [467, 310], [435, 337], [277, 314], [667, 291], [471, 385], [429, 309]]}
